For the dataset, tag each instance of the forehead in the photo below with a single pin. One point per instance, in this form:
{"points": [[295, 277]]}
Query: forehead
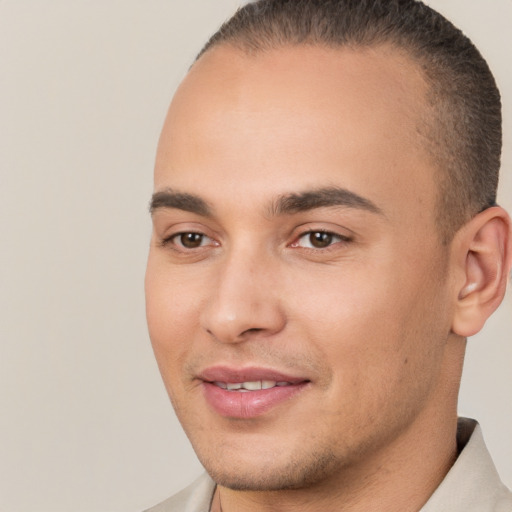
{"points": [[310, 114], [313, 77]]}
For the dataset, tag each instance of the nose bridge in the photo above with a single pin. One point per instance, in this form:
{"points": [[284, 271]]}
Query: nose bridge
{"points": [[242, 300]]}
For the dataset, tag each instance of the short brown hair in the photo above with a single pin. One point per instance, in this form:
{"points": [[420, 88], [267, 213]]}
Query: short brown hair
{"points": [[464, 132]]}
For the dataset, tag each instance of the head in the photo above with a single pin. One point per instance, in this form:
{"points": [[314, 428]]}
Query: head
{"points": [[462, 124], [320, 221]]}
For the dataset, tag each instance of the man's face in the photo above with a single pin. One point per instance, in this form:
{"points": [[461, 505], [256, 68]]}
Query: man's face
{"points": [[295, 249]]}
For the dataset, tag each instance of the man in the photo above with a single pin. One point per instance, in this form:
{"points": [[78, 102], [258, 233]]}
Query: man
{"points": [[325, 239]]}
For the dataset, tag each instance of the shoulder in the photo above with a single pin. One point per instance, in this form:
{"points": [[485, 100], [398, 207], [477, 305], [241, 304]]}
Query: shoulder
{"points": [[472, 484], [196, 497]]}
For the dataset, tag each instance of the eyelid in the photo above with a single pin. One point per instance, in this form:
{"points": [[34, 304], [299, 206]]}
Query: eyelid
{"points": [[166, 232], [171, 239], [340, 238]]}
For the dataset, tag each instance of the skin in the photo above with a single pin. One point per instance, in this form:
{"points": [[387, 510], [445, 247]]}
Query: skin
{"points": [[367, 319]]}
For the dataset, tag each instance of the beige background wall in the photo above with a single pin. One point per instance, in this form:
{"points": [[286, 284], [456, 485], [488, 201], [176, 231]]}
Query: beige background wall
{"points": [[85, 424]]}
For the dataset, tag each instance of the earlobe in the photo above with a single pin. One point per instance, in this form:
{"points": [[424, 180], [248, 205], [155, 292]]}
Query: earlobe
{"points": [[486, 246]]}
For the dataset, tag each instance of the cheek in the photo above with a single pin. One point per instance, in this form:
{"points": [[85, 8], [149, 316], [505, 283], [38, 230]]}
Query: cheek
{"points": [[171, 314], [377, 327]]}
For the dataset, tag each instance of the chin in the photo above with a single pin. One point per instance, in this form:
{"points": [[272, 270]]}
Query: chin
{"points": [[273, 475]]}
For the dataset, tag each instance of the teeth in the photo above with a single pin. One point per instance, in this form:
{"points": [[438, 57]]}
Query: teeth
{"points": [[250, 385]]}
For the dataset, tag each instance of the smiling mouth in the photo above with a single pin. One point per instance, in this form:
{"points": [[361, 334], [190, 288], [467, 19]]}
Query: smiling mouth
{"points": [[248, 386], [250, 399], [248, 392]]}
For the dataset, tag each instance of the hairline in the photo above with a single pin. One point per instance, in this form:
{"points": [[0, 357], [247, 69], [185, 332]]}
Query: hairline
{"points": [[428, 131]]}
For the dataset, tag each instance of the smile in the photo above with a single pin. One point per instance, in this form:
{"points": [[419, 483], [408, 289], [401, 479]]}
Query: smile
{"points": [[247, 393], [255, 385]]}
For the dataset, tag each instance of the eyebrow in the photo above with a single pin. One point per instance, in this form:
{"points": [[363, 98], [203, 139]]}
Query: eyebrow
{"points": [[286, 204], [321, 198], [181, 201]]}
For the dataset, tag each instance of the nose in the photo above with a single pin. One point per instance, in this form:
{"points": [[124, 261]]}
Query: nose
{"points": [[244, 301]]}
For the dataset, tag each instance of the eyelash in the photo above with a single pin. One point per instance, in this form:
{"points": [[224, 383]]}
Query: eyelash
{"points": [[180, 246], [332, 239]]}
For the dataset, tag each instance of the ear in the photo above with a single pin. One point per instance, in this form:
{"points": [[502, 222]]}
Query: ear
{"points": [[484, 247]]}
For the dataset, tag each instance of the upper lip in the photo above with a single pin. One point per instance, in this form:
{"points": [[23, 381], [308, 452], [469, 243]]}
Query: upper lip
{"points": [[249, 374]]}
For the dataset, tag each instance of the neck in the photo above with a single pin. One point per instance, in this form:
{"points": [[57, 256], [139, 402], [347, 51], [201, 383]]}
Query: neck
{"points": [[400, 478]]}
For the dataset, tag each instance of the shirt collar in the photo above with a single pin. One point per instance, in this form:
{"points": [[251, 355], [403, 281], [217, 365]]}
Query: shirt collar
{"points": [[472, 484]]}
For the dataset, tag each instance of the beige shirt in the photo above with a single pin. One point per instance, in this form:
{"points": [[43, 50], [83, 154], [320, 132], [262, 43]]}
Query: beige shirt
{"points": [[471, 485]]}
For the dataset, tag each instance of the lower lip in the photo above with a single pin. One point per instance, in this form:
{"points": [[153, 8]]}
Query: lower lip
{"points": [[250, 404]]}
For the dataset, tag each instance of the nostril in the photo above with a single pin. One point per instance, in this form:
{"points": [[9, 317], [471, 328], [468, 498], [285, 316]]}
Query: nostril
{"points": [[252, 330], [236, 337]]}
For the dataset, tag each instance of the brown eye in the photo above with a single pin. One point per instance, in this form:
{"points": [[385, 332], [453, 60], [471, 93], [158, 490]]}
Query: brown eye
{"points": [[191, 240], [319, 239]]}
